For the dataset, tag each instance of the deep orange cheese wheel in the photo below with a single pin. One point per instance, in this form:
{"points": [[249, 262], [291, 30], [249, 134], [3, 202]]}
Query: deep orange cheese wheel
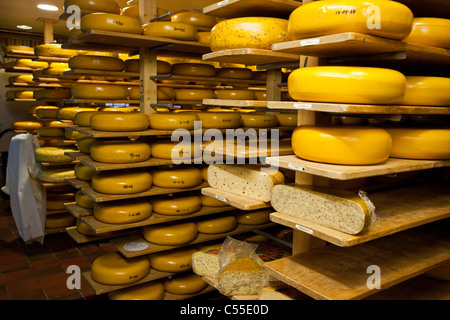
{"points": [[171, 234], [123, 211], [177, 177], [122, 182], [176, 205]]}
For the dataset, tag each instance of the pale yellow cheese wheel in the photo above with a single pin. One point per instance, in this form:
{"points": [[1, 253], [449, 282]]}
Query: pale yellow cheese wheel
{"points": [[52, 155], [83, 118], [171, 30], [217, 224], [52, 94], [53, 50], [31, 64], [59, 220], [177, 177], [172, 121], [173, 150], [235, 94], [211, 202], [234, 73], [122, 182], [175, 234], [188, 283], [194, 94], [110, 6], [99, 91], [153, 290], [197, 19], [172, 261], [26, 125], [118, 121], [55, 175], [88, 62], [50, 132], [83, 172], [220, 120], [83, 200], [47, 112], [120, 151], [257, 217], [176, 205], [123, 211], [193, 69], [84, 144], [110, 22]]}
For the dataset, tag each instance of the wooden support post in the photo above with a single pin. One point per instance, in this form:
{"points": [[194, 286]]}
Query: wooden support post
{"points": [[48, 29], [273, 91]]}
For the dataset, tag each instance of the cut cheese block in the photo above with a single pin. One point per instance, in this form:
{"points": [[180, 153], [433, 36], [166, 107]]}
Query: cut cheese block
{"points": [[220, 120], [234, 73], [69, 113], [59, 220], [50, 132], [287, 119], [172, 121], [88, 62], [193, 69], [252, 181], [83, 200], [420, 143], [53, 50], [433, 32], [341, 144], [211, 202], [50, 112], [110, 6], [173, 260], [110, 22], [171, 234], [28, 63], [177, 177], [176, 205], [335, 84], [248, 32], [26, 125], [194, 94], [253, 218], [118, 121], [83, 172], [84, 144], [52, 155], [123, 211], [341, 210], [188, 283], [387, 19], [235, 94], [99, 91], [217, 225], [55, 175], [120, 151], [427, 91], [259, 120], [197, 19], [153, 290], [114, 269], [122, 182], [83, 118], [171, 30], [176, 151]]}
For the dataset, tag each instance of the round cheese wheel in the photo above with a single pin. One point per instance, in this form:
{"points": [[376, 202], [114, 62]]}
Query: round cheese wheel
{"points": [[387, 19], [47, 112], [171, 234], [217, 225], [197, 19], [122, 182], [55, 175], [83, 200], [173, 150], [53, 50], [52, 155], [114, 269], [162, 67], [25, 94], [220, 120], [88, 62], [58, 124], [69, 113], [211, 202], [342, 145], [235, 94], [24, 78], [130, 11], [427, 91], [26, 125], [110, 6], [74, 135], [120, 151], [172, 261], [110, 22], [335, 84], [194, 94], [52, 94], [287, 119], [99, 91], [257, 217], [176, 205], [118, 121], [83, 228], [259, 120], [193, 69], [83, 118], [74, 33], [420, 143], [62, 65], [172, 121], [31, 64], [134, 93], [55, 72], [59, 220], [83, 172], [171, 30], [153, 290], [260, 95], [433, 32], [123, 211], [204, 37], [234, 73], [177, 177], [50, 132], [84, 144], [19, 48], [188, 283], [165, 93]]}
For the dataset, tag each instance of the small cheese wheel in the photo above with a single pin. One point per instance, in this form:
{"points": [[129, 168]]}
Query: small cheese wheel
{"points": [[118, 121], [109, 6], [52, 155], [122, 182], [173, 150], [171, 30], [433, 32], [260, 95], [83, 172], [194, 94], [153, 290], [287, 119], [235, 94], [58, 124], [220, 120], [83, 228], [83, 200], [59, 220], [24, 78], [26, 125], [134, 93], [99, 91], [171, 234], [123, 211], [25, 94], [110, 22], [88, 62], [427, 91], [55, 175], [184, 284], [387, 19], [120, 151], [257, 217], [420, 143], [342, 145], [211, 202], [52, 94], [172, 121], [259, 120], [83, 118], [50, 132], [130, 11], [47, 112], [74, 33], [204, 37], [197, 19], [235, 73], [335, 84], [53, 50], [114, 269], [31, 64], [177, 177], [193, 69], [69, 113], [217, 225], [176, 205], [166, 93], [172, 261], [162, 67]]}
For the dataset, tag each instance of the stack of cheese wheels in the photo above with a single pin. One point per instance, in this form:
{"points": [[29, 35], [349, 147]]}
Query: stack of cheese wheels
{"points": [[176, 205], [153, 290], [171, 30], [122, 182], [123, 211], [173, 150], [433, 32], [197, 19], [175, 234], [234, 73], [55, 175], [26, 125], [420, 143], [84, 144], [287, 119], [162, 67], [119, 121], [248, 32], [99, 91], [69, 113], [215, 225], [50, 112], [59, 220], [253, 218], [335, 84], [172, 261], [427, 91], [56, 200], [394, 20], [235, 94], [172, 121], [194, 94], [346, 145], [28, 63], [52, 94], [220, 120], [52, 155], [83, 172], [53, 50], [211, 202], [193, 69], [187, 283], [180, 177], [259, 120], [114, 269], [120, 151], [109, 6], [110, 22], [88, 62], [83, 200]]}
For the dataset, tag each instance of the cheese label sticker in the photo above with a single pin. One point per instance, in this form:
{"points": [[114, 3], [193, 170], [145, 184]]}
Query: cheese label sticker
{"points": [[304, 229], [222, 3], [303, 106], [309, 42], [221, 199], [135, 246], [296, 167]]}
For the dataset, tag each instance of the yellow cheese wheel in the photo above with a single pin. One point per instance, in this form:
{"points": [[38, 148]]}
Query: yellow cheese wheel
{"points": [[122, 182], [120, 151], [88, 62], [217, 224], [134, 93], [110, 6], [83, 200], [25, 94], [31, 64], [211, 202], [62, 65], [194, 94], [188, 283], [337, 84], [342, 145], [52, 94], [172, 121], [53, 50], [130, 11], [172, 261], [114, 269], [166, 93], [123, 211], [99, 91], [119, 121], [153, 290], [110, 22], [119, 109], [50, 132], [204, 170], [235, 94], [171, 30], [433, 32], [175, 234], [259, 75], [19, 48], [259, 120], [162, 67], [74, 135], [220, 120], [83, 118], [197, 19], [69, 113], [59, 220], [248, 32], [420, 143], [26, 125], [287, 119], [235, 73], [55, 72], [58, 124], [55, 175], [47, 112], [177, 177], [176, 205], [387, 19], [83, 172], [427, 91], [25, 78], [59, 143], [74, 33], [83, 228], [52, 155], [193, 69], [257, 217], [204, 37], [173, 150]]}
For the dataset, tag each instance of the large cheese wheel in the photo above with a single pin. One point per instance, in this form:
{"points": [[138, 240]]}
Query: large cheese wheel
{"points": [[69, 113], [173, 150], [59, 220], [55, 175], [351, 145], [153, 290], [165, 93], [114, 269], [88, 62], [120, 151], [234, 73], [387, 19], [176, 205], [211, 202], [433, 32], [83, 200], [220, 120], [337, 84], [188, 283], [177, 177], [195, 18], [420, 143], [47, 112], [53, 50], [110, 22], [50, 132], [248, 32], [259, 120], [194, 94], [427, 91], [26, 125], [193, 69], [52, 155], [171, 234], [123, 211], [83, 118], [31, 64], [287, 119], [83, 172], [110, 6], [172, 121], [171, 30], [217, 224], [122, 182], [235, 94], [256, 217], [173, 260], [99, 91], [52, 94], [118, 121]]}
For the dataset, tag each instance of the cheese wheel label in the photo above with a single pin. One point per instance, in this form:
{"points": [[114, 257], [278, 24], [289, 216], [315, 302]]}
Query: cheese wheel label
{"points": [[135, 246]]}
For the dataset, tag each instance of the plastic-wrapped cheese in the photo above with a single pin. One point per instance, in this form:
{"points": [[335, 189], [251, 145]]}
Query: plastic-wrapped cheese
{"points": [[171, 234], [110, 22], [427, 91], [433, 32], [120, 151], [171, 30], [187, 283], [172, 261], [153, 290], [176, 205], [122, 182], [123, 211], [177, 177]]}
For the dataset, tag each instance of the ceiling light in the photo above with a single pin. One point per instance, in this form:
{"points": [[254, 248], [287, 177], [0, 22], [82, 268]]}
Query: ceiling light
{"points": [[47, 7], [24, 27]]}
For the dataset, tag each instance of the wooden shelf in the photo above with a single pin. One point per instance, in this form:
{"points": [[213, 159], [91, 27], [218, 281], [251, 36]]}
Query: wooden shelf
{"points": [[52, 59], [235, 200], [99, 166], [37, 85], [206, 79], [98, 101], [252, 8], [77, 183], [236, 103], [19, 54], [250, 56], [20, 69], [85, 72], [81, 238], [78, 211], [115, 134], [248, 151]]}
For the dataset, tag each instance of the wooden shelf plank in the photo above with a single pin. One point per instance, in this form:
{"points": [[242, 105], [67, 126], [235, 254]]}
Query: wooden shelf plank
{"points": [[206, 79], [52, 59], [98, 101], [100, 166], [250, 56], [37, 85], [85, 72], [252, 8], [81, 238], [236, 103], [78, 211], [115, 134], [396, 210], [343, 172], [235, 200]]}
